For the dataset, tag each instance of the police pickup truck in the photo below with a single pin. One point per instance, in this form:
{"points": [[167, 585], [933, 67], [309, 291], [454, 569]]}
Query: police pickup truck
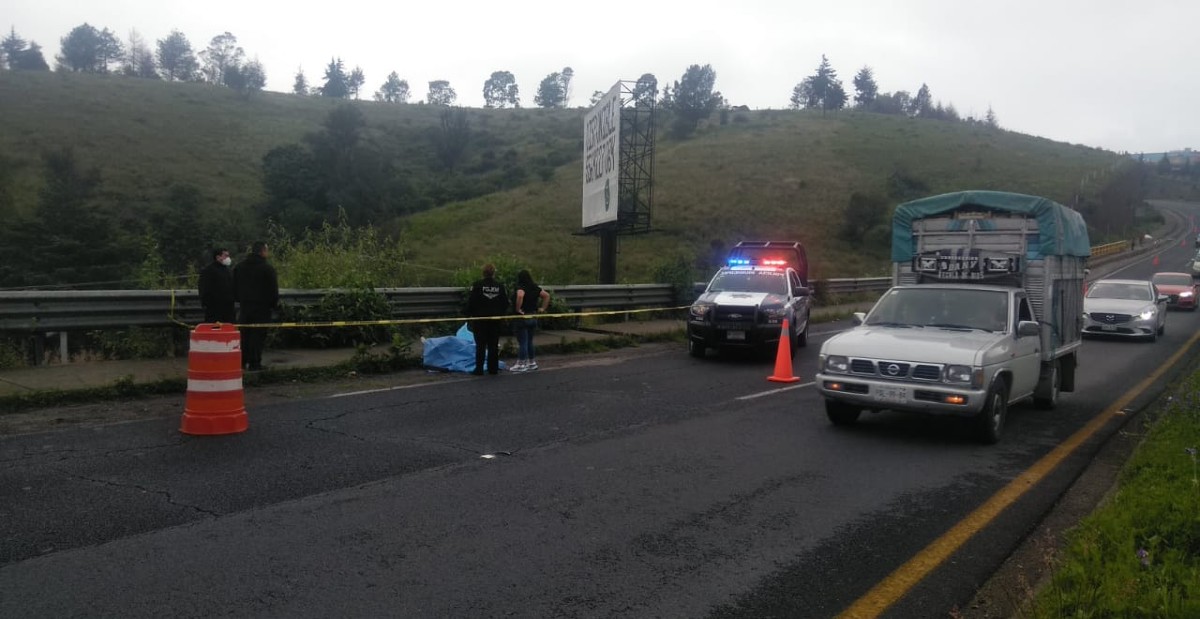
{"points": [[744, 305]]}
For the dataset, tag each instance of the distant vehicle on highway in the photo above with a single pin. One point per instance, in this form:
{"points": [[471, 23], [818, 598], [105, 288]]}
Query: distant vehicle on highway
{"points": [[1180, 289], [1125, 307], [1196, 265]]}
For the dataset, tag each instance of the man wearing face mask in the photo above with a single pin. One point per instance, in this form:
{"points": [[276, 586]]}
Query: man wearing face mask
{"points": [[216, 288]]}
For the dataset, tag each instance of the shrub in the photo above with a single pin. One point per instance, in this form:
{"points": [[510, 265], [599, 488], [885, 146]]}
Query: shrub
{"points": [[132, 343], [353, 305], [337, 256]]}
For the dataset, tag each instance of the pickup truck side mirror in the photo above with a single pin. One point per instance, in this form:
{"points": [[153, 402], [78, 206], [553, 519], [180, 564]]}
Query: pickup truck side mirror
{"points": [[801, 291], [859, 318], [1162, 298], [1028, 328]]}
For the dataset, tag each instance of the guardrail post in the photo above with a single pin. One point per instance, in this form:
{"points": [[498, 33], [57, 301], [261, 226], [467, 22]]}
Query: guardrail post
{"points": [[63, 357]]}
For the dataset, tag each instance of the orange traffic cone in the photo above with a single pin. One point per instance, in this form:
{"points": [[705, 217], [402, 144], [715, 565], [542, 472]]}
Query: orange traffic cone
{"points": [[215, 400], [1155, 261], [783, 358]]}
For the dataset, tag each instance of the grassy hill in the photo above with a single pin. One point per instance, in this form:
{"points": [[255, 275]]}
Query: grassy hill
{"points": [[764, 174]]}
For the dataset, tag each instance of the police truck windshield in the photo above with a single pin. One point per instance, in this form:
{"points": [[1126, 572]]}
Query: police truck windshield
{"points": [[771, 282]]}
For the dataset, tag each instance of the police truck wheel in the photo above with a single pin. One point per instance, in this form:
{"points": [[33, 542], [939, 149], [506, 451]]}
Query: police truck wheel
{"points": [[990, 421], [802, 338], [842, 414], [696, 350]]}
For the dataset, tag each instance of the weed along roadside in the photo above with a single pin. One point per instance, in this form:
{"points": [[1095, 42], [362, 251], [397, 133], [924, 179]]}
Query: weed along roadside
{"points": [[1122, 541]]}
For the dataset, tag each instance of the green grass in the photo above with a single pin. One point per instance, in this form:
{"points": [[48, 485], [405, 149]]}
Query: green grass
{"points": [[1139, 554], [770, 174], [782, 175]]}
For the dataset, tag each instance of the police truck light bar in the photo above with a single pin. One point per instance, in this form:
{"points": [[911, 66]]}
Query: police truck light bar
{"points": [[733, 262]]}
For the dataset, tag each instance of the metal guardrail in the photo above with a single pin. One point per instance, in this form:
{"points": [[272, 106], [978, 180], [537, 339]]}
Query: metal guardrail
{"points": [[48, 311], [59, 310], [1109, 249]]}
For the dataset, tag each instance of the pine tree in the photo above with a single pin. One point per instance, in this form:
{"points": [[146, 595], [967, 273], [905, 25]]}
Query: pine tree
{"points": [[300, 85], [337, 84]]}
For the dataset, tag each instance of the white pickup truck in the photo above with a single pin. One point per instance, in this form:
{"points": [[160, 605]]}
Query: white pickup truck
{"points": [[985, 312]]}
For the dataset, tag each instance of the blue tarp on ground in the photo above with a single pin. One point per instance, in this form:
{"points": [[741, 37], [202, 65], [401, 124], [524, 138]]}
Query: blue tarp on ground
{"points": [[455, 353]]}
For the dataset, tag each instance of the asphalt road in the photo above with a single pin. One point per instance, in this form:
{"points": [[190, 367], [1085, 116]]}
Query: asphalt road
{"points": [[637, 483]]}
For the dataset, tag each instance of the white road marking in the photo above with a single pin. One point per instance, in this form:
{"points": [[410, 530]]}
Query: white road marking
{"points": [[775, 391], [385, 389]]}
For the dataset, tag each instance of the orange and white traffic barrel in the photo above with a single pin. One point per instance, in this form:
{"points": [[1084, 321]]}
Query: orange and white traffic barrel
{"points": [[215, 397]]}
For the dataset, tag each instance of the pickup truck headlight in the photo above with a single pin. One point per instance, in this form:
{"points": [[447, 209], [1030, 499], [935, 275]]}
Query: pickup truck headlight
{"points": [[960, 374], [837, 364], [700, 310], [1148, 314], [774, 314]]}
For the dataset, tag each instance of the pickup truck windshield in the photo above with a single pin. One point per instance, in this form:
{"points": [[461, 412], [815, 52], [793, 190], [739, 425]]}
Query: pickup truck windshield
{"points": [[982, 310], [772, 282]]}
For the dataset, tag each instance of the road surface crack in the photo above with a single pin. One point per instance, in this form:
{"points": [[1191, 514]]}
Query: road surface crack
{"points": [[163, 493]]}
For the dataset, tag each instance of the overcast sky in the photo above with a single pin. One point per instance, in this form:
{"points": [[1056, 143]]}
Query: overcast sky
{"points": [[1118, 75]]}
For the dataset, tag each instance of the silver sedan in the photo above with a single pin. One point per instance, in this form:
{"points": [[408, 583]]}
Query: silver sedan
{"points": [[1124, 307]]}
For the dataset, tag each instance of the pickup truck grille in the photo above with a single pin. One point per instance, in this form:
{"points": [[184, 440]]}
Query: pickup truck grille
{"points": [[927, 372], [1110, 319], [895, 370], [735, 314]]}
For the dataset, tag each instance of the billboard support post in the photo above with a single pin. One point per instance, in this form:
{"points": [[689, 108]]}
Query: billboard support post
{"points": [[608, 256]]}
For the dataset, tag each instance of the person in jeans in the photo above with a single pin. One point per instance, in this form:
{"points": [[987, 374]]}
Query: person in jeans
{"points": [[530, 301]]}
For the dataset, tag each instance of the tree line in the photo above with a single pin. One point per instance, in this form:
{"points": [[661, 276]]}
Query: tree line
{"points": [[692, 97], [823, 90], [86, 49]]}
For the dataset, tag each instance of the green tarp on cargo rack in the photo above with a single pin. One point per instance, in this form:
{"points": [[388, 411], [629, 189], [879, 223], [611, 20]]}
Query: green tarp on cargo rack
{"points": [[1061, 231]]}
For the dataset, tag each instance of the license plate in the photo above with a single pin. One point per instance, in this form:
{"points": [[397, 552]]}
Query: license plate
{"points": [[1108, 327], [890, 395], [735, 335]]}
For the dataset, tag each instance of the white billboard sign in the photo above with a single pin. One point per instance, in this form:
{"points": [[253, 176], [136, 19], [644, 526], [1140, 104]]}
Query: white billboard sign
{"points": [[601, 159]]}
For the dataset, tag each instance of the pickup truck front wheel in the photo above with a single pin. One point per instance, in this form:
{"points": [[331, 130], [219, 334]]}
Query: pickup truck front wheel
{"points": [[695, 349], [842, 414], [990, 421]]}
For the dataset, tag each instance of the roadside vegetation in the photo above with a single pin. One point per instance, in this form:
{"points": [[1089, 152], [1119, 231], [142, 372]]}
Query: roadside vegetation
{"points": [[1138, 555], [150, 173]]}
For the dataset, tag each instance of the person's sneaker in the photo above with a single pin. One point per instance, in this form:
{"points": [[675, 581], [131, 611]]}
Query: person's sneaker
{"points": [[532, 365], [519, 366], [476, 372]]}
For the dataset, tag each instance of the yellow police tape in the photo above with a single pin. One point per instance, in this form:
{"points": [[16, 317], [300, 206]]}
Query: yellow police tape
{"points": [[414, 321]]}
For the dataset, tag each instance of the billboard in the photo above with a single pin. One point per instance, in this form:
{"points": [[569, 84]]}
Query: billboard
{"points": [[601, 159]]}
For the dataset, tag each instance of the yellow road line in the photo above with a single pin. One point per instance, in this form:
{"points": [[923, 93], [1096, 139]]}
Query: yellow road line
{"points": [[904, 578]]}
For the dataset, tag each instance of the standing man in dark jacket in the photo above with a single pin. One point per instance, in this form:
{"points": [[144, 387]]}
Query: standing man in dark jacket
{"points": [[216, 288], [257, 289], [488, 298]]}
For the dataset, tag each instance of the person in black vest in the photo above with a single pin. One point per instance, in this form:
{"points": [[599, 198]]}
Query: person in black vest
{"points": [[257, 289], [488, 298], [216, 288]]}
